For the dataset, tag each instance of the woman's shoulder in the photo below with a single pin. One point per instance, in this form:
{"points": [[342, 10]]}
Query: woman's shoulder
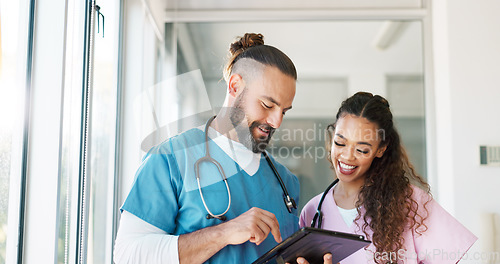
{"points": [[441, 230], [313, 202]]}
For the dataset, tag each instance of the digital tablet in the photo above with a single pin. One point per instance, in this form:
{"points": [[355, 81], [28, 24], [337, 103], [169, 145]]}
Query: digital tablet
{"points": [[312, 244]]}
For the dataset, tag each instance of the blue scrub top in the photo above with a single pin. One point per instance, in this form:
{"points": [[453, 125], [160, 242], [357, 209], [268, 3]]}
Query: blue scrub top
{"points": [[165, 193]]}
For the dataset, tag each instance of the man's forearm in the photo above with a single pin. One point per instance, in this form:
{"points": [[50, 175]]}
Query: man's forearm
{"points": [[199, 246]]}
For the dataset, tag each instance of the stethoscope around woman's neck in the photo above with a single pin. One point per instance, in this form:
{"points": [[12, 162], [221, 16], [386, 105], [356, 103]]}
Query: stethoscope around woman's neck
{"points": [[289, 201], [318, 217]]}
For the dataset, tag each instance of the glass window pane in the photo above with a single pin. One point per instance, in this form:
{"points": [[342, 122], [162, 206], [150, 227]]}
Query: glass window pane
{"points": [[71, 122], [13, 50], [101, 168], [406, 95]]}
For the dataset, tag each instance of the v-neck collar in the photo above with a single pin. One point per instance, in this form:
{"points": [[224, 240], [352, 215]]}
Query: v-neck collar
{"points": [[333, 213], [242, 156]]}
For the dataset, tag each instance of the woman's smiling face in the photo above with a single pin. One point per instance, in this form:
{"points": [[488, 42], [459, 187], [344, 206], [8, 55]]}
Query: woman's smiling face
{"points": [[356, 143]]}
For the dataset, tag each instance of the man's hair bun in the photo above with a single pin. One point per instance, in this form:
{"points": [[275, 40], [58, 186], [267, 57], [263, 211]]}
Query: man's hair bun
{"points": [[245, 42], [251, 46]]}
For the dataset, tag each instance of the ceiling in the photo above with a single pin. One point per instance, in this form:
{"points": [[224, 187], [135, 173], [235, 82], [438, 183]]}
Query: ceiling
{"points": [[285, 4]]}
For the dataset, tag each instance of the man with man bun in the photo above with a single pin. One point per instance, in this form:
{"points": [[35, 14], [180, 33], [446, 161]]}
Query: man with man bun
{"points": [[183, 211]]}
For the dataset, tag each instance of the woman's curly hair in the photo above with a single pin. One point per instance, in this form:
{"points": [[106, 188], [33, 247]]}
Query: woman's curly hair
{"points": [[386, 194]]}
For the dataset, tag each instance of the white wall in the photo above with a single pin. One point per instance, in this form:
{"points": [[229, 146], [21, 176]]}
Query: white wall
{"points": [[467, 89]]}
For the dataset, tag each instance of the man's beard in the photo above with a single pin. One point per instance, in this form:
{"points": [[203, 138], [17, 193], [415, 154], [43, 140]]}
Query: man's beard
{"points": [[244, 129]]}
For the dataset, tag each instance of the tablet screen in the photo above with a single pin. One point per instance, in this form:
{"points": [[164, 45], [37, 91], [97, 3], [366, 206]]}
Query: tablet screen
{"points": [[312, 244]]}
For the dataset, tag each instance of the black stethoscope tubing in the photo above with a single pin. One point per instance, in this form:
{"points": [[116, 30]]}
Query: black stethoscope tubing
{"points": [[289, 201], [318, 216]]}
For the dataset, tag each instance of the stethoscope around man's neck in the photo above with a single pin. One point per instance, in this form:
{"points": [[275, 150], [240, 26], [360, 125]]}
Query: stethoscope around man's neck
{"points": [[289, 201], [318, 216]]}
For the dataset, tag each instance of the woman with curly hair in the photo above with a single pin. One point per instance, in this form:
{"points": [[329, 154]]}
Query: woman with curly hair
{"points": [[379, 194]]}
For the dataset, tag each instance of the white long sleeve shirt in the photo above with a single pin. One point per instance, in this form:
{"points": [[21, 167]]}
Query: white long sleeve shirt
{"points": [[140, 242]]}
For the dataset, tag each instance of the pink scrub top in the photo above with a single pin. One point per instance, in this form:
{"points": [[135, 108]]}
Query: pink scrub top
{"points": [[445, 240]]}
